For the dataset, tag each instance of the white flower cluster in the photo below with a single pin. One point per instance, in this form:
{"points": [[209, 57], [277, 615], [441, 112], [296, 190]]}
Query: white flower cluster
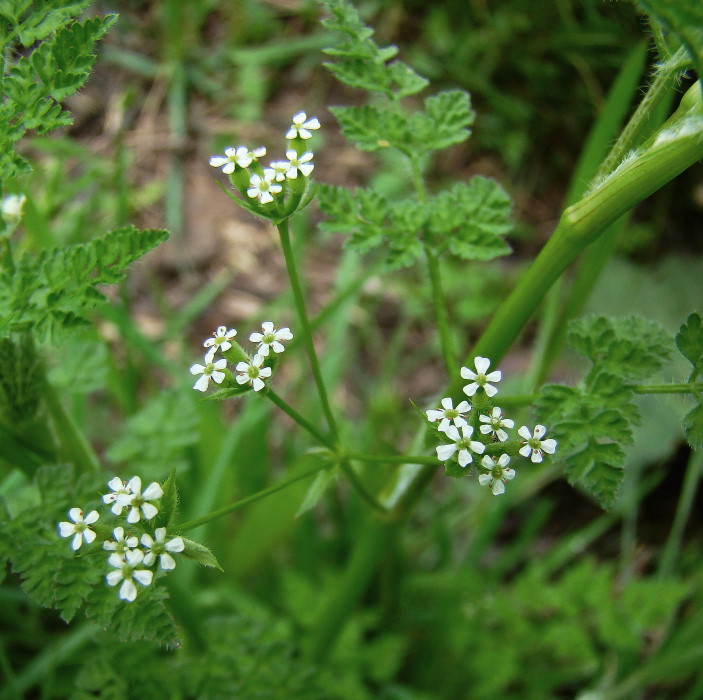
{"points": [[130, 564], [264, 182], [252, 371], [454, 423]]}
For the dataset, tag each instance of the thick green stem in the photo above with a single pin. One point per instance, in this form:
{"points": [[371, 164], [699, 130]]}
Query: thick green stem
{"points": [[305, 328], [197, 522], [303, 422], [694, 471]]}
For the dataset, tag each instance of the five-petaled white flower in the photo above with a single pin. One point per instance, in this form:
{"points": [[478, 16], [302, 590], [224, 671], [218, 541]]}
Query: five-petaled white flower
{"points": [[120, 543], [270, 338], [461, 443], [534, 447], [495, 423], [479, 378], [210, 370], [128, 571], [263, 187], [79, 527], [301, 126], [280, 168], [252, 372], [240, 156], [140, 501], [296, 163], [160, 548], [220, 340], [498, 473], [448, 413], [120, 496]]}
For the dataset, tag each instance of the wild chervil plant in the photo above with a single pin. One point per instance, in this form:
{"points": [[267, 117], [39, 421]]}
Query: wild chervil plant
{"points": [[84, 540]]}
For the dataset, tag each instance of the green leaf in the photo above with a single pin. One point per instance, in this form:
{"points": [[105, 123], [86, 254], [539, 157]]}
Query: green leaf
{"points": [[53, 292], [632, 348], [470, 218], [689, 340], [446, 121], [375, 128], [693, 427], [21, 380], [319, 487], [168, 507], [360, 62], [600, 469], [200, 553]]}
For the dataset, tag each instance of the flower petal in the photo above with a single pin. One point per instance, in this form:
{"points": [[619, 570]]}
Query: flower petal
{"points": [[482, 364], [524, 432], [549, 446], [444, 452], [143, 576], [128, 591], [149, 511], [167, 562]]}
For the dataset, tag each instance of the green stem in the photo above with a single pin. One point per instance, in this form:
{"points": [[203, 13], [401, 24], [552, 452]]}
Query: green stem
{"points": [[368, 551], [303, 422], [394, 459], [694, 471], [666, 388], [441, 313], [359, 487], [197, 522], [74, 444], [306, 330]]}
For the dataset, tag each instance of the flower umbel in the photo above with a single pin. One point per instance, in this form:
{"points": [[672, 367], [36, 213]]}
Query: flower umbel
{"points": [[160, 548], [139, 502], [128, 571], [301, 126], [79, 527], [252, 372], [534, 447], [461, 443], [270, 338], [264, 187], [479, 378], [498, 473], [495, 423], [448, 414], [210, 370]]}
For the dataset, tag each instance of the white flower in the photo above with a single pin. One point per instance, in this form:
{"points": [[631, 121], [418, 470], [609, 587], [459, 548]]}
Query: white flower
{"points": [[533, 446], [448, 413], [79, 527], [120, 543], [498, 473], [280, 168], [480, 378], [160, 548], [301, 163], [301, 126], [257, 153], [240, 156], [264, 187], [12, 208], [252, 372], [270, 338], [210, 370], [495, 423], [120, 496], [128, 572], [463, 443], [220, 341], [140, 501]]}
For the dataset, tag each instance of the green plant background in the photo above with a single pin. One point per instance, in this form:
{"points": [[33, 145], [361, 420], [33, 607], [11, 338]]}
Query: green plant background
{"points": [[539, 594]]}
